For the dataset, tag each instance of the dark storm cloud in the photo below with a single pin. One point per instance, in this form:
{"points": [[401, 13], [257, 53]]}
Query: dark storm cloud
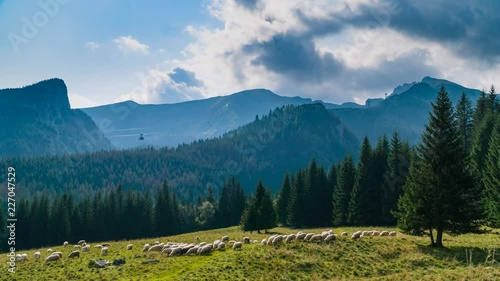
{"points": [[294, 55], [180, 75]]}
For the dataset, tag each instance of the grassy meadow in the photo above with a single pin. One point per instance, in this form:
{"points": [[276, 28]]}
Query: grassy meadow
{"points": [[370, 258]]}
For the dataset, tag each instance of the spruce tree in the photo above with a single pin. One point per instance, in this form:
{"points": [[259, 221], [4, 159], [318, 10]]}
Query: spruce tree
{"points": [[394, 178], [440, 193], [295, 216], [263, 204], [464, 116], [491, 177], [162, 211], [361, 197], [323, 200], [249, 217], [343, 189], [282, 200]]}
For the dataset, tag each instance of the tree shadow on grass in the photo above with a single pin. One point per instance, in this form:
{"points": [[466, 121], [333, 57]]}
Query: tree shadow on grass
{"points": [[464, 255]]}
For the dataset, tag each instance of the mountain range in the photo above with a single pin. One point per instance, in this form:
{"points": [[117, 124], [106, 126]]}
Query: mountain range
{"points": [[38, 120]]}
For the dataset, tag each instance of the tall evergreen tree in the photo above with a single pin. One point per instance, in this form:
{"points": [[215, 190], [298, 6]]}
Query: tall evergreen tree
{"points": [[323, 199], [491, 177], [464, 116], [440, 193], [295, 206], [343, 189], [249, 217], [282, 200], [263, 203], [484, 121], [162, 211], [361, 198], [394, 178]]}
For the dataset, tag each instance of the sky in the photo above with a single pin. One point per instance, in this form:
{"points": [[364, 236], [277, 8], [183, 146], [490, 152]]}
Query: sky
{"points": [[156, 51]]}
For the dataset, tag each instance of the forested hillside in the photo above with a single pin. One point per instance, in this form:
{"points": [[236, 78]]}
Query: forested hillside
{"points": [[284, 140]]}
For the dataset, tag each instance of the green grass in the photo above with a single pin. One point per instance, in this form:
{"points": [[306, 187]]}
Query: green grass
{"points": [[371, 258]]}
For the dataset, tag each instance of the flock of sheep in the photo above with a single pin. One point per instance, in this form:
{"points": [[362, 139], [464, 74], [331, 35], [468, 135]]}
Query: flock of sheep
{"points": [[325, 236], [172, 249]]}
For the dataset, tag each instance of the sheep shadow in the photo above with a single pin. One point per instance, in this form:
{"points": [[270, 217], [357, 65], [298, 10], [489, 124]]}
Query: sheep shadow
{"points": [[464, 255]]}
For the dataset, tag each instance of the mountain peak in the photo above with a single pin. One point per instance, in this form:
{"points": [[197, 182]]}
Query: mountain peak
{"points": [[50, 93], [436, 83]]}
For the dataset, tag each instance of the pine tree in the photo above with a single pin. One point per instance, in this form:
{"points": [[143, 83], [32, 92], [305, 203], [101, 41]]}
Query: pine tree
{"points": [[394, 178], [491, 177], [440, 193], [162, 211], [323, 199], [282, 200], [484, 121], [343, 189], [249, 217], [263, 204], [295, 206], [464, 116], [380, 166], [361, 198]]}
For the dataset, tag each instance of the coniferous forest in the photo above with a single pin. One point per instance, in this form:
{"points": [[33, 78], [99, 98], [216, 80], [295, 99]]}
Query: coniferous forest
{"points": [[448, 183]]}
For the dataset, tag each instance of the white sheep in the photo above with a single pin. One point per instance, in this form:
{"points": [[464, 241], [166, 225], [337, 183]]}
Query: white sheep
{"points": [[384, 233], [65, 243], [270, 239], [330, 238], [263, 242], [344, 233], [216, 244], [277, 239], [308, 236], [36, 255], [392, 233], [166, 251], [175, 252], [246, 240], [86, 248], [316, 237], [301, 236], [129, 247], [324, 234], [225, 238], [222, 246], [155, 248], [205, 250], [74, 254], [156, 243], [80, 242], [49, 250], [375, 233], [356, 235], [237, 246], [230, 243], [21, 257], [104, 251], [146, 248], [193, 250], [290, 238], [52, 258], [202, 244], [60, 254]]}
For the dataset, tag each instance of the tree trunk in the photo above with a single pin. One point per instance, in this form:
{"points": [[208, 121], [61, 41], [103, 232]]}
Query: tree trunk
{"points": [[439, 238], [258, 231], [432, 238]]}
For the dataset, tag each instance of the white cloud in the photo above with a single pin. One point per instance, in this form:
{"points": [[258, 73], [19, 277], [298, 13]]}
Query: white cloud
{"points": [[128, 44], [79, 101], [92, 45]]}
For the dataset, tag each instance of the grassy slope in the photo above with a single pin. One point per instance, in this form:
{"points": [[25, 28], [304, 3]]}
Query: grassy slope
{"points": [[372, 258]]}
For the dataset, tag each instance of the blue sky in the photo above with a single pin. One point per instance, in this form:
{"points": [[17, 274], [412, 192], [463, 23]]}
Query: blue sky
{"points": [[156, 51]]}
